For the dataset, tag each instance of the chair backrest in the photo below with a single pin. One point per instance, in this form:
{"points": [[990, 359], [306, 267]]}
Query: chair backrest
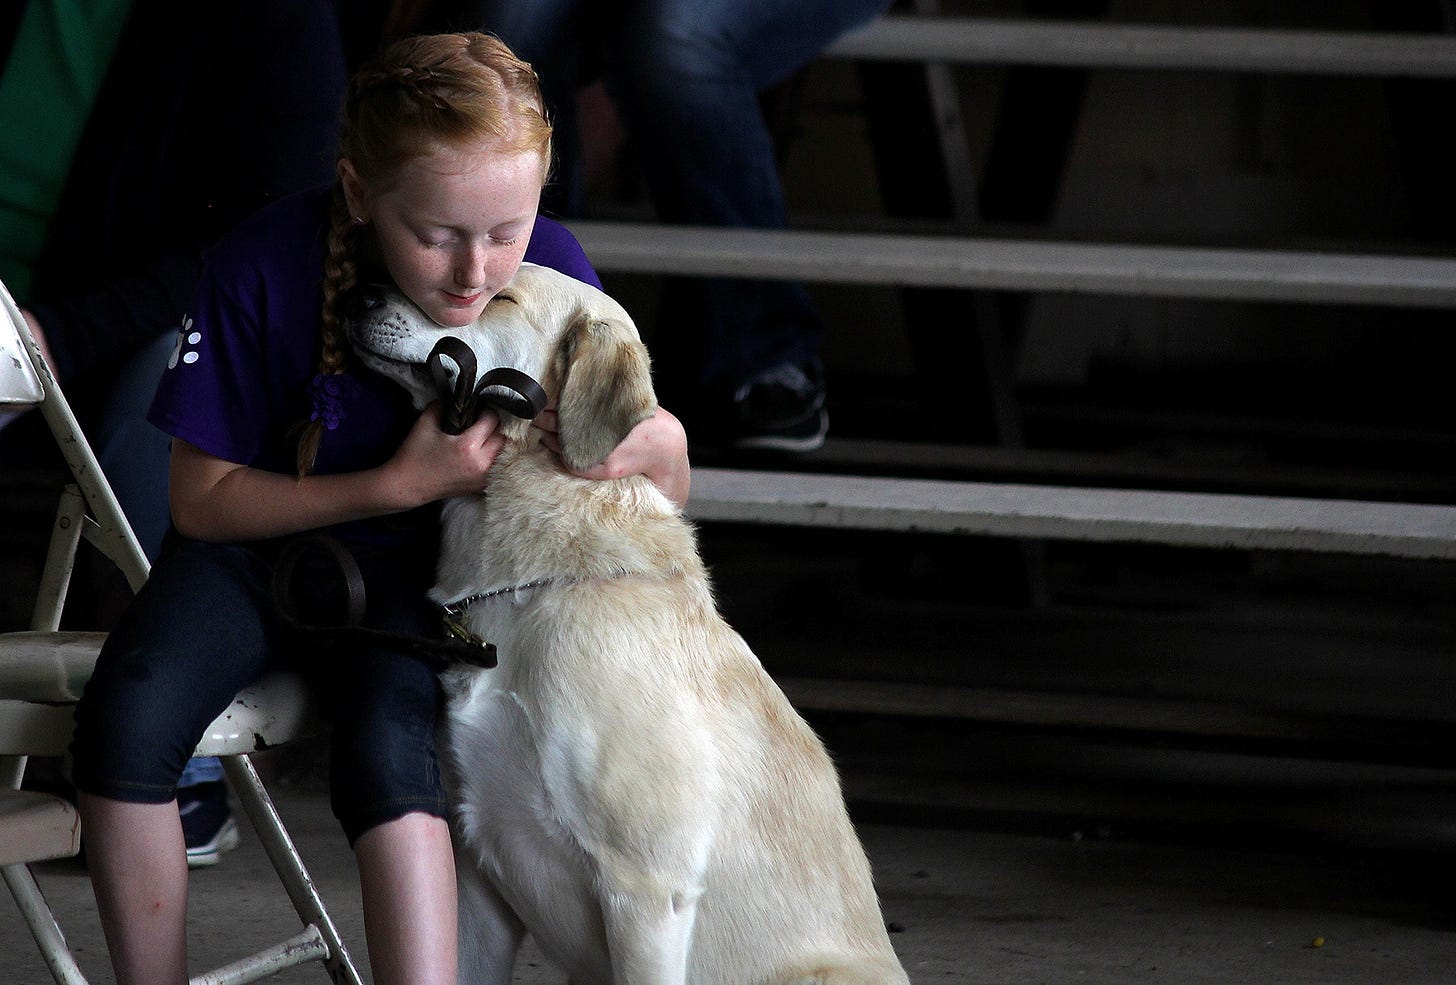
{"points": [[18, 382], [26, 379]]}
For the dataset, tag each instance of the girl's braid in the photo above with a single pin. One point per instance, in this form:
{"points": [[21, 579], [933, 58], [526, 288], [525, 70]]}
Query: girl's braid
{"points": [[420, 83], [424, 92], [341, 274]]}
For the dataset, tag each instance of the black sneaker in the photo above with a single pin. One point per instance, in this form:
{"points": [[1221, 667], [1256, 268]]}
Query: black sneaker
{"points": [[207, 823], [782, 410]]}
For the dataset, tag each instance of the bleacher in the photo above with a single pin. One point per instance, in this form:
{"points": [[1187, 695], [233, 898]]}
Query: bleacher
{"points": [[1080, 505]]}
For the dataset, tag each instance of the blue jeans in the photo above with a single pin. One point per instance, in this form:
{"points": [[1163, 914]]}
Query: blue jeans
{"points": [[205, 626], [687, 76]]}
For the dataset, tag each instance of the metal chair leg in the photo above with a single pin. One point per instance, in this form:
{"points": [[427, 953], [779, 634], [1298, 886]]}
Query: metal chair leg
{"points": [[42, 924], [288, 863]]}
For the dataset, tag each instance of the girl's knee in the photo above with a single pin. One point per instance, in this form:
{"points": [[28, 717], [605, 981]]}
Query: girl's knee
{"points": [[384, 759]]}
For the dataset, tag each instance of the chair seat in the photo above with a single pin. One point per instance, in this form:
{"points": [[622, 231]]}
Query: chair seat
{"points": [[279, 708], [42, 674], [36, 826], [49, 667]]}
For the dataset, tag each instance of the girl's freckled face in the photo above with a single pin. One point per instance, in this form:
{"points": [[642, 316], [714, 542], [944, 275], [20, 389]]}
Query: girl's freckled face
{"points": [[452, 227]]}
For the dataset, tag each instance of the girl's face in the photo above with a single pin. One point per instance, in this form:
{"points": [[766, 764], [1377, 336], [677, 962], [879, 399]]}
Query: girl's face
{"points": [[452, 226]]}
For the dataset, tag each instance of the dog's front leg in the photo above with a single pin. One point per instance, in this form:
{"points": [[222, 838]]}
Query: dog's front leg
{"points": [[490, 933], [649, 933]]}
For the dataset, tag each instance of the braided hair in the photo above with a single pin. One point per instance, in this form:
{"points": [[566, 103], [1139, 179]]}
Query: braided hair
{"points": [[420, 95]]}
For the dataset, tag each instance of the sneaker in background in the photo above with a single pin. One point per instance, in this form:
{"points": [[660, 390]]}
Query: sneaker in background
{"points": [[782, 410], [208, 826]]}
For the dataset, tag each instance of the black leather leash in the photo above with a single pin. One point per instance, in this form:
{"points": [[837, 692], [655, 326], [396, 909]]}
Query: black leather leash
{"points": [[458, 646], [460, 403], [461, 398]]}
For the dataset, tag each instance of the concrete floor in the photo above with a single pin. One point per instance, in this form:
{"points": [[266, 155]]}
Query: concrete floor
{"points": [[967, 906], [1010, 851]]}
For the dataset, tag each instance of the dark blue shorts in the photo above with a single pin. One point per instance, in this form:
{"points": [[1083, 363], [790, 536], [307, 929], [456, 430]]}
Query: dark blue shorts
{"points": [[205, 626]]}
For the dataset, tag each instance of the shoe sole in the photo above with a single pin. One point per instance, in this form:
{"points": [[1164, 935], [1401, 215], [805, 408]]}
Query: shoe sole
{"points": [[800, 443], [225, 840]]}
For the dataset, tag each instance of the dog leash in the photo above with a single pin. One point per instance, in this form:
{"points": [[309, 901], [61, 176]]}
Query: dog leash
{"points": [[459, 645], [460, 403], [461, 398]]}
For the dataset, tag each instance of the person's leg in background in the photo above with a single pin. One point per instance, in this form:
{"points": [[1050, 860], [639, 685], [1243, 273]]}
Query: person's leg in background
{"points": [[690, 77], [552, 36], [135, 457]]}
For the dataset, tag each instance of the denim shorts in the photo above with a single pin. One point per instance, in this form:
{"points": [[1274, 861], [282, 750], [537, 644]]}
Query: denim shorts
{"points": [[205, 625]]}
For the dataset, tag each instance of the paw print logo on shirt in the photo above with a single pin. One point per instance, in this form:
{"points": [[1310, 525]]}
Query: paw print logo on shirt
{"points": [[186, 337]]}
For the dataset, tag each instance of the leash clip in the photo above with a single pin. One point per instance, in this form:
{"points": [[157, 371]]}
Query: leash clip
{"points": [[458, 646], [483, 651]]}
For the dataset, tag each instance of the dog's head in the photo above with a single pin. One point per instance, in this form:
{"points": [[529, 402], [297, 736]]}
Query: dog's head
{"points": [[578, 342]]}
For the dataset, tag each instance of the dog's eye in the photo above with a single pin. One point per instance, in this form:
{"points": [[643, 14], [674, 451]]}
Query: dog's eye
{"points": [[509, 298]]}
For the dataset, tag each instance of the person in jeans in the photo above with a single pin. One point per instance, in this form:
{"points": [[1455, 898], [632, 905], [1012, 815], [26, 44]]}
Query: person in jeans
{"points": [[739, 358]]}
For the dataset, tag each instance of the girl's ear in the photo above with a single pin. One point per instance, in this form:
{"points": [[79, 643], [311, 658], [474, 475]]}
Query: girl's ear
{"points": [[605, 379], [353, 186]]}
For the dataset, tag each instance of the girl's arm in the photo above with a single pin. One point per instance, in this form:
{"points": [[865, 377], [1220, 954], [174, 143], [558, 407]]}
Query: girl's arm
{"points": [[217, 500]]}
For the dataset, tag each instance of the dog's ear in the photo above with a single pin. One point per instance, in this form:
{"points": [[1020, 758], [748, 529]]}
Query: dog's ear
{"points": [[605, 380]]}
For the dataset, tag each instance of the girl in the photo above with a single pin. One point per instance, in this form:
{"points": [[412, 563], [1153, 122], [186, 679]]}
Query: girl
{"points": [[444, 152]]}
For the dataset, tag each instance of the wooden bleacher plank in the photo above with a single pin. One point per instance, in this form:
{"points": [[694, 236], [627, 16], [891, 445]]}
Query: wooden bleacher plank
{"points": [[1085, 44], [1070, 513], [881, 456], [1053, 512], [1000, 264]]}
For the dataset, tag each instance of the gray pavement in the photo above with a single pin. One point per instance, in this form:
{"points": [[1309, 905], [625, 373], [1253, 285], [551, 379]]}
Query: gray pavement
{"points": [[967, 905]]}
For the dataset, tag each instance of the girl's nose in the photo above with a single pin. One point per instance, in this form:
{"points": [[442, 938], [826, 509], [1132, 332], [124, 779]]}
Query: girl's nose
{"points": [[470, 267]]}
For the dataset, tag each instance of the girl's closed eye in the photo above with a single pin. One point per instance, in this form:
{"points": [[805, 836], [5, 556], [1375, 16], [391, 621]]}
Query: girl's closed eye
{"points": [[506, 234]]}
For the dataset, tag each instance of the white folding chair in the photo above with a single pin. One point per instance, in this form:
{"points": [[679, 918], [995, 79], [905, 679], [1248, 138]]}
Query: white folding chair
{"points": [[41, 675]]}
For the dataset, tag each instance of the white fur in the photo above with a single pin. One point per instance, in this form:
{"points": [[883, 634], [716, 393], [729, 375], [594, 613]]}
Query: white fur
{"points": [[631, 786]]}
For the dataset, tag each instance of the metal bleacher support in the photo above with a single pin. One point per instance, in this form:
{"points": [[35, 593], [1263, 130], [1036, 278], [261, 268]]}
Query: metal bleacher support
{"points": [[976, 263]]}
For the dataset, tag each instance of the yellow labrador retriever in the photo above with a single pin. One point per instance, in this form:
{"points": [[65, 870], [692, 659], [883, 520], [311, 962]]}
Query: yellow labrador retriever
{"points": [[632, 788]]}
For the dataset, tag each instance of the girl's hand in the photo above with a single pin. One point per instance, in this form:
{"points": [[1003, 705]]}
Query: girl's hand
{"points": [[656, 448], [431, 464], [217, 500]]}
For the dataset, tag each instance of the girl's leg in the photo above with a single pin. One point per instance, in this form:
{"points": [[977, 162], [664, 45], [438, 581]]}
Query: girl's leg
{"points": [[407, 874], [201, 629], [138, 867], [387, 790]]}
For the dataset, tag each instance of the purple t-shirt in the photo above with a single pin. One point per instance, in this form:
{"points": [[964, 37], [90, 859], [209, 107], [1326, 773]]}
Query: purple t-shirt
{"points": [[238, 383]]}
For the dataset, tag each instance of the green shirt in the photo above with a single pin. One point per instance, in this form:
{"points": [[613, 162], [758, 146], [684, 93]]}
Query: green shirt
{"points": [[61, 53]]}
